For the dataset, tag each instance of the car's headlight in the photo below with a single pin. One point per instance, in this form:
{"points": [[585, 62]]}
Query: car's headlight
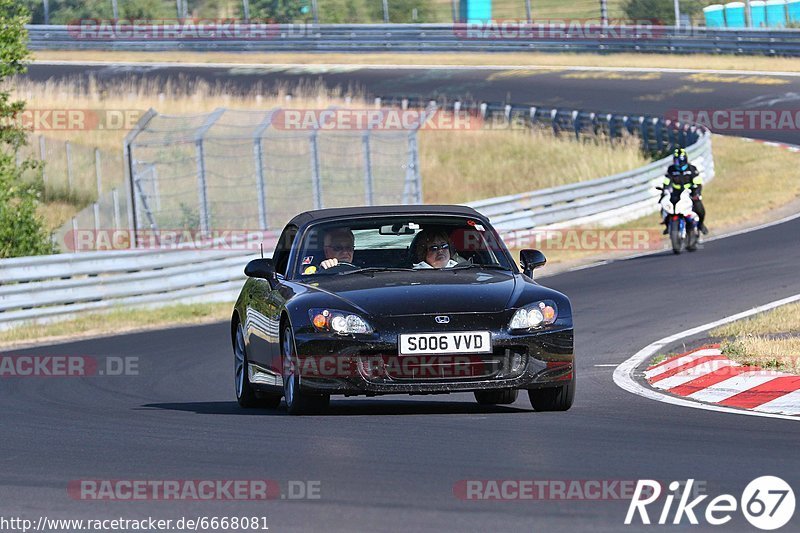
{"points": [[534, 316], [341, 322]]}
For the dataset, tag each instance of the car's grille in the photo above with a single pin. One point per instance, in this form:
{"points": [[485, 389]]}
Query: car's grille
{"points": [[504, 363]]}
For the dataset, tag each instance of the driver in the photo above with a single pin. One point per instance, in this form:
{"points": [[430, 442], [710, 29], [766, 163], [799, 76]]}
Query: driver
{"points": [[338, 245]]}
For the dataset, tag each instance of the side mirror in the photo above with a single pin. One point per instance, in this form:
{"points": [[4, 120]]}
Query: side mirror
{"points": [[260, 268], [530, 260]]}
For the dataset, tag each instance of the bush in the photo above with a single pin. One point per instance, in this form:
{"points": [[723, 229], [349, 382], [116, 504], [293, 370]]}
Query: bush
{"points": [[661, 10], [21, 229]]}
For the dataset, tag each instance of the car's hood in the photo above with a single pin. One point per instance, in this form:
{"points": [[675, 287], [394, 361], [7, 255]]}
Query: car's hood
{"points": [[423, 292]]}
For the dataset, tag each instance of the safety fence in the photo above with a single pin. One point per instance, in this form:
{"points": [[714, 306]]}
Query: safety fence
{"points": [[491, 36]]}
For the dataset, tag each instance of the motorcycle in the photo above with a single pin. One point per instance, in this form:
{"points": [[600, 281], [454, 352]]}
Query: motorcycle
{"points": [[682, 222]]}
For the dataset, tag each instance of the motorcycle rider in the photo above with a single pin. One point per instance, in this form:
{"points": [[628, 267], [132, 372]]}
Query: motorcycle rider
{"points": [[682, 175]]}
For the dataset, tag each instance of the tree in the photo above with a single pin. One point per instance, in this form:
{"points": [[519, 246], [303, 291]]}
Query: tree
{"points": [[279, 11], [660, 10], [21, 229]]}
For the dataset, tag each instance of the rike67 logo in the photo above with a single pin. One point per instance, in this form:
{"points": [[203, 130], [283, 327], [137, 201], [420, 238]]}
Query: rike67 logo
{"points": [[767, 503]]}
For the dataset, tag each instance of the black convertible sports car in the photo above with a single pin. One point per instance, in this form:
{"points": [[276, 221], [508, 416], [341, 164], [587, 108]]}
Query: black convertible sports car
{"points": [[399, 299]]}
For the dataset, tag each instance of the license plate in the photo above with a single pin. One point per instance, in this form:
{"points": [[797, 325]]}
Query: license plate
{"points": [[446, 343]]}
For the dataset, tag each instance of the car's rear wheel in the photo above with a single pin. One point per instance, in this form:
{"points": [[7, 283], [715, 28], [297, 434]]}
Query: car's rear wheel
{"points": [[553, 398], [496, 397], [246, 395], [297, 401]]}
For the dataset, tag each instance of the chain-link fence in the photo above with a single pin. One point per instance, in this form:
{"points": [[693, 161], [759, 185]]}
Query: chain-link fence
{"points": [[234, 169]]}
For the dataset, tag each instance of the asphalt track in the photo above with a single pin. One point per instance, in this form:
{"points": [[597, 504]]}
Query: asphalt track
{"points": [[391, 464]]}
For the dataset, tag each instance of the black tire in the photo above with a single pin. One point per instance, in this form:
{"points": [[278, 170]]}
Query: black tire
{"points": [[496, 397], [675, 237], [297, 401], [692, 237], [246, 395], [553, 398]]}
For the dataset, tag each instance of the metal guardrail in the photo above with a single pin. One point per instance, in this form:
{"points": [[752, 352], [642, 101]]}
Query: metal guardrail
{"points": [[64, 285], [54, 287], [427, 38]]}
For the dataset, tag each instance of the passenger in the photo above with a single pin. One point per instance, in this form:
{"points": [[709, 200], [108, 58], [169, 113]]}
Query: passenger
{"points": [[433, 249]]}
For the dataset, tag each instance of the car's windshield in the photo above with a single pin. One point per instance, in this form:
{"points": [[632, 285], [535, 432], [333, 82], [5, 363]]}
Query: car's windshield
{"points": [[399, 243]]}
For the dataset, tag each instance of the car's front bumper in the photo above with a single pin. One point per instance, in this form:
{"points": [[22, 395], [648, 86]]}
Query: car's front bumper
{"points": [[352, 366]]}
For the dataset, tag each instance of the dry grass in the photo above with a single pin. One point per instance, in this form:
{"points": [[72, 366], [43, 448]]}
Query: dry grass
{"points": [[767, 352], [784, 319], [116, 321], [768, 340], [463, 166], [646, 61]]}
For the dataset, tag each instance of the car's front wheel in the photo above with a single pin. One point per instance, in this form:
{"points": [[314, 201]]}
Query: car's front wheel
{"points": [[496, 397], [297, 401], [553, 398]]}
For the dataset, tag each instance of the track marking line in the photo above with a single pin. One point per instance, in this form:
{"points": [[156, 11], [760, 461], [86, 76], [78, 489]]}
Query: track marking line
{"points": [[626, 373]]}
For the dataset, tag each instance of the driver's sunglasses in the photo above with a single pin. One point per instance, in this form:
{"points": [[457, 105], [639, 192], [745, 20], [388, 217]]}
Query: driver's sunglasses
{"points": [[340, 248], [437, 247]]}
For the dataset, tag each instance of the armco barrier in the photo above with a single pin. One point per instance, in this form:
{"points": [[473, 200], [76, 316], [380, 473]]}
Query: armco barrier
{"points": [[438, 38], [59, 286]]}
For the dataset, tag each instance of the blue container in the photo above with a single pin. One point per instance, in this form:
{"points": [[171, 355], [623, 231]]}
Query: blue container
{"points": [[475, 10], [776, 13], [793, 10], [715, 16], [734, 15], [758, 12]]}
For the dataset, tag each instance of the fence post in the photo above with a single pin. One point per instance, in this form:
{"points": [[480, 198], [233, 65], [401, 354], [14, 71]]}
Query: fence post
{"points": [[316, 186], [41, 158], [96, 213], [130, 174], [412, 191], [97, 172], [69, 166], [75, 234], [200, 158], [258, 153], [368, 178], [115, 202]]}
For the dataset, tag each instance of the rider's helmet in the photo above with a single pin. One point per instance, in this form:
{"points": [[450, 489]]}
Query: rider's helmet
{"points": [[680, 159]]}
